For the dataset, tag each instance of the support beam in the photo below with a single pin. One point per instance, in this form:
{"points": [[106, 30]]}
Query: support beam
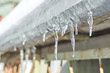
{"points": [[83, 54], [96, 42]]}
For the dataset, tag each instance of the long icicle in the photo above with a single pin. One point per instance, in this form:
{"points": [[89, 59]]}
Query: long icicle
{"points": [[34, 52], [56, 44], [71, 29], [76, 28], [90, 22], [21, 56]]}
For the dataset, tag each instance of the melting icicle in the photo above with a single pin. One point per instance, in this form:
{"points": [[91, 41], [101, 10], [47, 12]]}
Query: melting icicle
{"points": [[71, 29], [56, 44], [44, 35], [34, 52], [90, 22], [76, 29]]}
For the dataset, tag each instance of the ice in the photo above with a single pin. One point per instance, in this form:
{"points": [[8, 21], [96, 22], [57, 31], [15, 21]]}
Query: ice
{"points": [[24, 39], [21, 57], [44, 35], [90, 22], [56, 44], [71, 29], [15, 48], [63, 31], [0, 56], [34, 52], [76, 29], [27, 54]]}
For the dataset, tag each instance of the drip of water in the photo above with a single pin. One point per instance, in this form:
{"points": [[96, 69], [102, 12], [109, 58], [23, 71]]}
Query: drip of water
{"points": [[44, 35], [34, 52], [56, 44], [90, 22], [71, 29]]}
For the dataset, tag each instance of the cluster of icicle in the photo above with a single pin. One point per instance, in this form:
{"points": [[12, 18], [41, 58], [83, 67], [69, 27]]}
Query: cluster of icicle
{"points": [[70, 22], [67, 20], [27, 53]]}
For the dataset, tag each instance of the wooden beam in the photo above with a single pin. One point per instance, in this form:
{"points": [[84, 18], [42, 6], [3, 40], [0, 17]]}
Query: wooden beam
{"points": [[83, 54], [96, 42]]}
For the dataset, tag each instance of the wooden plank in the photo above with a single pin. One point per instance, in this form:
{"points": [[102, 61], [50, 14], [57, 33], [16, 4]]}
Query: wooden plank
{"points": [[83, 54], [106, 65], [85, 66], [96, 42], [65, 66], [45, 67], [36, 67]]}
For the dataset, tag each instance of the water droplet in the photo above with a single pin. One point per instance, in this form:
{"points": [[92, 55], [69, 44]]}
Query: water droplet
{"points": [[71, 29]]}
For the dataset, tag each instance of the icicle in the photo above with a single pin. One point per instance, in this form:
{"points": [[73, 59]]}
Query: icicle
{"points": [[34, 52], [44, 35], [21, 57], [15, 48], [90, 22], [24, 42], [0, 56], [56, 44], [71, 29], [27, 54], [76, 29], [24, 39], [64, 30]]}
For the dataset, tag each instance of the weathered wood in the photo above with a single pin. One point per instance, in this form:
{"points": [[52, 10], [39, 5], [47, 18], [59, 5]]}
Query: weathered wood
{"points": [[100, 23], [36, 67], [86, 66], [96, 42], [83, 54], [106, 65]]}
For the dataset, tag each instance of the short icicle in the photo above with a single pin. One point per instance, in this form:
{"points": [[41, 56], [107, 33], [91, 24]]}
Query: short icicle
{"points": [[71, 29], [44, 35], [56, 44], [90, 22]]}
